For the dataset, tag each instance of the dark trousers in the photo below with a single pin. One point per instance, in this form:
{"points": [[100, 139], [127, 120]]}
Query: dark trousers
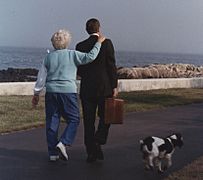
{"points": [[93, 136]]}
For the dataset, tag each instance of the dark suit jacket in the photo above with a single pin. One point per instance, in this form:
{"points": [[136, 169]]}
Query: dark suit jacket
{"points": [[99, 77]]}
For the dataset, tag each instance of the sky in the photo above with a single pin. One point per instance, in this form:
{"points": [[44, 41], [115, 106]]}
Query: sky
{"points": [[172, 26]]}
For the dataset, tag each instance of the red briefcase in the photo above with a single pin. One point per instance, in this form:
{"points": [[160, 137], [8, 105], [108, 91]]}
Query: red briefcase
{"points": [[114, 110]]}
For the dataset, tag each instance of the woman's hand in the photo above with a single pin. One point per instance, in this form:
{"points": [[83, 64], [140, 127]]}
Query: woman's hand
{"points": [[101, 38], [35, 100]]}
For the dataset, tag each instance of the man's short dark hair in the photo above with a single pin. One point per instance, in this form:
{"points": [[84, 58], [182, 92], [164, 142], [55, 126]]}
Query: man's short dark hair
{"points": [[92, 26]]}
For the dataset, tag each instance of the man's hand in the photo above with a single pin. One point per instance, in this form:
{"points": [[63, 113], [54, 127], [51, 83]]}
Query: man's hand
{"points": [[115, 92], [35, 100]]}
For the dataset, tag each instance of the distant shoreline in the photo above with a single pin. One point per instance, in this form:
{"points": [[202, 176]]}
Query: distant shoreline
{"points": [[178, 70]]}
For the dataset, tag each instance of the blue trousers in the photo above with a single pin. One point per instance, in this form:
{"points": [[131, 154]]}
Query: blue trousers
{"points": [[59, 105]]}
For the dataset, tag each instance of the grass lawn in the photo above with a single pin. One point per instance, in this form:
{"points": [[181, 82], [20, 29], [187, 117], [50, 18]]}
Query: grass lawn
{"points": [[157, 99], [16, 112]]}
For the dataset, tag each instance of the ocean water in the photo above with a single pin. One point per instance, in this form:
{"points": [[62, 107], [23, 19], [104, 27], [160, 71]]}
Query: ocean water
{"points": [[11, 57]]}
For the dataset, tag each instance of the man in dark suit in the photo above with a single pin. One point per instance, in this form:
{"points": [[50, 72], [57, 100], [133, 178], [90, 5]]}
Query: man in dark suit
{"points": [[98, 82]]}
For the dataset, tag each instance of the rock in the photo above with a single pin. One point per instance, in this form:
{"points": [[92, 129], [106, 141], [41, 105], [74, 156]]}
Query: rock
{"points": [[18, 75], [161, 71]]}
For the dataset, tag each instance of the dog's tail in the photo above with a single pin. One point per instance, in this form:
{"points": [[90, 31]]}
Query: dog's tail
{"points": [[143, 147]]}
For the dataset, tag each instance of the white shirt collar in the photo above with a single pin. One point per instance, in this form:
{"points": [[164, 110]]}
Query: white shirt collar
{"points": [[94, 34]]}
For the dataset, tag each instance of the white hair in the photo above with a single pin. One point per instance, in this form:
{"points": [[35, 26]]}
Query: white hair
{"points": [[61, 39]]}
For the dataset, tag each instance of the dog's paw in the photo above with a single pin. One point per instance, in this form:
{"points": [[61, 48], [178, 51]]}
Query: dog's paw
{"points": [[160, 171], [165, 168], [149, 168]]}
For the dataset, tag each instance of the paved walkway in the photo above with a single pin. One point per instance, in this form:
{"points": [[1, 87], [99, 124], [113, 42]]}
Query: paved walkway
{"points": [[23, 155]]}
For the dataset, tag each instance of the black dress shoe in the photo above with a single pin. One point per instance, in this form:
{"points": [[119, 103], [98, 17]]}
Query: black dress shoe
{"points": [[91, 158], [99, 153]]}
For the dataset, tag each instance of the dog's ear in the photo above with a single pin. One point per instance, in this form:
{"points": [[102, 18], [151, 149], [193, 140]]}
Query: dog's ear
{"points": [[179, 140], [180, 144], [178, 135]]}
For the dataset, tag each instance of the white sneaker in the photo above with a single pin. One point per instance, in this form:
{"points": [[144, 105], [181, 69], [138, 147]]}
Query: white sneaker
{"points": [[62, 150], [53, 157]]}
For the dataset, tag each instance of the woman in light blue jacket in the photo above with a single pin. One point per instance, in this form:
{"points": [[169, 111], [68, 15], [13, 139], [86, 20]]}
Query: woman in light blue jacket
{"points": [[58, 75]]}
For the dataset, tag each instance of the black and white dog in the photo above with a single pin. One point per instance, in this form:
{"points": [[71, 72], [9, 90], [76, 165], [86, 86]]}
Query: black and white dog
{"points": [[156, 149]]}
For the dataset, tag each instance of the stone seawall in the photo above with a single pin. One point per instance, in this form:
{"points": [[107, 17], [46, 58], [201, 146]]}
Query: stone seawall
{"points": [[124, 85]]}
